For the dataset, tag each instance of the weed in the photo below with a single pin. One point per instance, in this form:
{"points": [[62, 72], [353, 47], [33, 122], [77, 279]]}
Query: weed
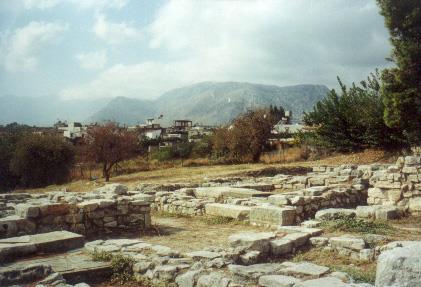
{"points": [[99, 255], [357, 226], [217, 220], [122, 267]]}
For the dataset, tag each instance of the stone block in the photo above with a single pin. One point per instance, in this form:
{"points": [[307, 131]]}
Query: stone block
{"points": [[255, 271], [347, 242], [298, 239], [279, 199], [26, 210], [272, 215], [415, 205], [281, 246], [303, 270], [323, 282], [259, 241], [400, 266], [238, 212], [300, 229], [387, 212], [277, 281]]}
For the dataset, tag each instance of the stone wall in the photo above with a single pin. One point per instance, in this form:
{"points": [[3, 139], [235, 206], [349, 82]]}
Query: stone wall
{"points": [[398, 185], [107, 210]]}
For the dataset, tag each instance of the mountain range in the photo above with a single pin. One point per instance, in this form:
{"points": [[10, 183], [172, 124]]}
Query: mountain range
{"points": [[207, 103]]}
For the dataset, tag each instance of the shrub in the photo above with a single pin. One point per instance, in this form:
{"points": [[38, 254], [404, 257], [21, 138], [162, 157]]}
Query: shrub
{"points": [[42, 160], [358, 226]]}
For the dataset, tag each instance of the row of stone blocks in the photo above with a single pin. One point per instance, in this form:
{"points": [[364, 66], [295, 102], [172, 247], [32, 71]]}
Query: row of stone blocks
{"points": [[89, 217]]}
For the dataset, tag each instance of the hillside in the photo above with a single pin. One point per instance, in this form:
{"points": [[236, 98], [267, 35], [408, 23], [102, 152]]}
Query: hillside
{"points": [[212, 102], [45, 111]]}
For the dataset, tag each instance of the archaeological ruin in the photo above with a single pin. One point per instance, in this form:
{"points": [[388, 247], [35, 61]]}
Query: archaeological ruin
{"points": [[56, 238]]}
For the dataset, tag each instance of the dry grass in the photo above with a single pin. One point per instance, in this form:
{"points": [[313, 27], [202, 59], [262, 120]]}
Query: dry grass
{"points": [[360, 271], [293, 154], [174, 172], [187, 234]]}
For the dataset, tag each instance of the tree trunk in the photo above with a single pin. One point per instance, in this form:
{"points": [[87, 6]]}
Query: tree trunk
{"points": [[105, 172]]}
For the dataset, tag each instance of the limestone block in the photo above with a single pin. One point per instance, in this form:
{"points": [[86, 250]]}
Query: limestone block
{"points": [[255, 271], [300, 229], [26, 210], [303, 270], [412, 160], [203, 254], [272, 215], [400, 266], [322, 282], [277, 281], [281, 246], [238, 212], [214, 279], [387, 212], [415, 205], [348, 242], [366, 211], [259, 241], [298, 239], [279, 199], [319, 241]]}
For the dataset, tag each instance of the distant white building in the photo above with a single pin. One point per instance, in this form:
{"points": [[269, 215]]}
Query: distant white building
{"points": [[73, 130]]}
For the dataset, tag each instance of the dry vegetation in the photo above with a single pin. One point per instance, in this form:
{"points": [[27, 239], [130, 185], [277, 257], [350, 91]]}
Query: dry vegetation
{"points": [[199, 170]]}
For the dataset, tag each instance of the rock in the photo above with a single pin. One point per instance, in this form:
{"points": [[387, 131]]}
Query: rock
{"points": [[311, 223], [400, 266], [188, 279], [344, 277], [281, 246], [415, 205], [279, 200], [348, 242], [113, 189], [238, 212], [319, 241], [334, 213], [165, 272], [322, 282], [277, 281], [259, 241], [272, 215], [366, 254], [412, 160], [198, 255], [298, 239], [387, 212], [366, 211], [303, 269], [27, 211], [214, 279], [250, 257], [256, 270], [300, 229]]}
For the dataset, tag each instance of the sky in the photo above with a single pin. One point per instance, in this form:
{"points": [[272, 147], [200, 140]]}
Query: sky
{"points": [[86, 49]]}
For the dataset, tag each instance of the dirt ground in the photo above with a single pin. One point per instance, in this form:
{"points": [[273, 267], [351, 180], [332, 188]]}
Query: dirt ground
{"points": [[192, 234]]}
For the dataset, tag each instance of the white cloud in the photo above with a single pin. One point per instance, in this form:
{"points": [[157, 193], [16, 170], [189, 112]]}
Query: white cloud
{"points": [[19, 50], [100, 4], [274, 42], [40, 4], [114, 33], [92, 60]]}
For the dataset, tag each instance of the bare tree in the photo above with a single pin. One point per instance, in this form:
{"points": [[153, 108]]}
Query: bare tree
{"points": [[108, 145]]}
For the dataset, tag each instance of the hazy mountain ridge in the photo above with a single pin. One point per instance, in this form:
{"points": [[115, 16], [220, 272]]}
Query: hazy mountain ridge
{"points": [[206, 102], [44, 111], [212, 102]]}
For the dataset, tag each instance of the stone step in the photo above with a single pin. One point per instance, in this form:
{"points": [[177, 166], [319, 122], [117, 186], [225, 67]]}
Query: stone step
{"points": [[51, 242], [238, 212], [74, 266]]}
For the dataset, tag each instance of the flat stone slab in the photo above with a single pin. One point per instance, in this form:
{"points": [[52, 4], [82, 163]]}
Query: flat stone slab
{"points": [[323, 282], [347, 241], [295, 229], [51, 242], [304, 269], [238, 212], [277, 281], [256, 270], [221, 192], [74, 266], [203, 254], [259, 241]]}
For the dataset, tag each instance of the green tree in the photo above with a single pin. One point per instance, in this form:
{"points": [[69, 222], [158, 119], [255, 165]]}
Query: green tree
{"points": [[42, 160], [402, 84], [353, 119]]}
